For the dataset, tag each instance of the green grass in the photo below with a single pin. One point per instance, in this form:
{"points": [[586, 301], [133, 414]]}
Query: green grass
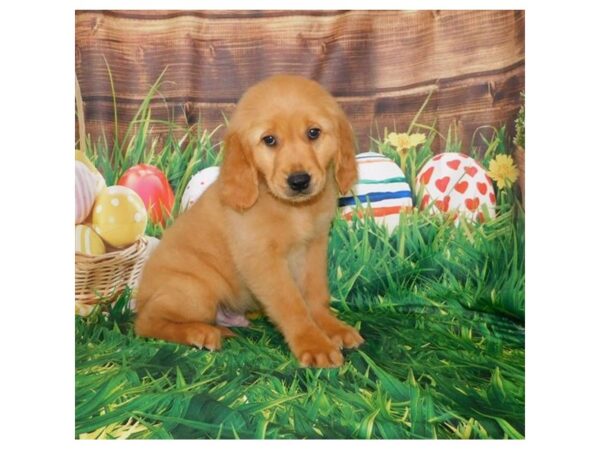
{"points": [[441, 308]]}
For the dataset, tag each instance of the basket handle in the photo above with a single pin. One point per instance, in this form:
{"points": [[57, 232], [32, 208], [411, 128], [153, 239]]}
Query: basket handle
{"points": [[80, 115]]}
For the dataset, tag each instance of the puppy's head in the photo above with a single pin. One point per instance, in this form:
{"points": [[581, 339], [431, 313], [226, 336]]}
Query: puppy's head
{"points": [[288, 131]]}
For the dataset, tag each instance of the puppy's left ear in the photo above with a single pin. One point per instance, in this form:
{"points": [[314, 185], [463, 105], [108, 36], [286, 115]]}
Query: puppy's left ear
{"points": [[238, 178], [346, 172]]}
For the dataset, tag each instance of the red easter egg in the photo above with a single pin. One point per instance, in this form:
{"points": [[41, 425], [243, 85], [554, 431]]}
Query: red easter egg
{"points": [[154, 189]]}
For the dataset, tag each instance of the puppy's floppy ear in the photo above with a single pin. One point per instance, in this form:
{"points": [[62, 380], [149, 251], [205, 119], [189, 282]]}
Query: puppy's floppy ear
{"points": [[238, 178], [346, 172]]}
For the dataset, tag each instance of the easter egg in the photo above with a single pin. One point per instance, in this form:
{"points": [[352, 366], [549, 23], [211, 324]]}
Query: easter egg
{"points": [[457, 184], [85, 191], [100, 183], [152, 243], [197, 185], [153, 188], [87, 241], [381, 189], [83, 309], [119, 216]]}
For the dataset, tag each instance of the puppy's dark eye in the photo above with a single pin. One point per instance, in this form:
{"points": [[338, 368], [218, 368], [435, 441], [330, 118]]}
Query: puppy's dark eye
{"points": [[270, 140], [313, 133]]}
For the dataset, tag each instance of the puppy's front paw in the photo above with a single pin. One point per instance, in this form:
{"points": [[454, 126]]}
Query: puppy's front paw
{"points": [[313, 349], [205, 336], [340, 333], [345, 336]]}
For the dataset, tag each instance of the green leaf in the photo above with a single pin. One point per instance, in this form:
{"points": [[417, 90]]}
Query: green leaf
{"points": [[509, 429], [397, 390]]}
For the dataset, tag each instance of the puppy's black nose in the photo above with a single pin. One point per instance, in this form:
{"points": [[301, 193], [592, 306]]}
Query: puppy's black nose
{"points": [[298, 181]]}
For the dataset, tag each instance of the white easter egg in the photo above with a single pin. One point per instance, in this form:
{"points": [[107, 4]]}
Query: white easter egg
{"points": [[197, 185], [85, 191], [457, 184], [152, 243], [381, 189], [151, 247]]}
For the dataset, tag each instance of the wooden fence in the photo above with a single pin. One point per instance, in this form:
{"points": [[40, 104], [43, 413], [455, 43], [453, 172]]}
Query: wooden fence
{"points": [[380, 65]]}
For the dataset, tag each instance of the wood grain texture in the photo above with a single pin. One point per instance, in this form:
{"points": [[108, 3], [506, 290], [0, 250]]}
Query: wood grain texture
{"points": [[380, 65]]}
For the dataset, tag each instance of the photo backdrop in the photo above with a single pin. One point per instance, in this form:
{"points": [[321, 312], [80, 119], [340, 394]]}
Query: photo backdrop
{"points": [[432, 272], [380, 65]]}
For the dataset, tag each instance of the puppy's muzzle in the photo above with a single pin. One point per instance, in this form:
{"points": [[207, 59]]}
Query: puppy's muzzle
{"points": [[298, 181]]}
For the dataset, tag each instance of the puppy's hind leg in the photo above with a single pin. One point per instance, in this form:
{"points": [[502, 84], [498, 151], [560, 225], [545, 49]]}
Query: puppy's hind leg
{"points": [[185, 314]]}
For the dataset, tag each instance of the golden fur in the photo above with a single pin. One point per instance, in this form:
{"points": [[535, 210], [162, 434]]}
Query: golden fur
{"points": [[250, 241]]}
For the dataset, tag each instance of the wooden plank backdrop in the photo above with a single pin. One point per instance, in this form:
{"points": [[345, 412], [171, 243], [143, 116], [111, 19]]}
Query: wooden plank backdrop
{"points": [[380, 65]]}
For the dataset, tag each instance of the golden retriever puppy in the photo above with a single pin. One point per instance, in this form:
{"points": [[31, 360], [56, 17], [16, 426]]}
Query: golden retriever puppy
{"points": [[258, 236]]}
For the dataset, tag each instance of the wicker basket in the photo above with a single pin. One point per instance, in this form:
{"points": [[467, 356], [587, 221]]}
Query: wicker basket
{"points": [[103, 277]]}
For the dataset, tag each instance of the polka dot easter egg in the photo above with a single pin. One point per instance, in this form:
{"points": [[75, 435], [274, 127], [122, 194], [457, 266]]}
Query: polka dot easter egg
{"points": [[197, 185], [85, 191], [88, 242], [153, 188], [119, 216], [456, 183], [381, 187]]}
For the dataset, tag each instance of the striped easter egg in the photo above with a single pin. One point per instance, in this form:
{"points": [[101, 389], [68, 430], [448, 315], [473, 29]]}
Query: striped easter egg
{"points": [[456, 184], [100, 183], [85, 191], [381, 190], [87, 241]]}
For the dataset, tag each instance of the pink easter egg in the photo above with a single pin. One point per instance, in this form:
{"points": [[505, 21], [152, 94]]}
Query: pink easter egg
{"points": [[85, 191]]}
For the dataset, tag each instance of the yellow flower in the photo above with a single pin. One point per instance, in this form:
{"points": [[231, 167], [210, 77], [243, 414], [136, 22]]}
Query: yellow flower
{"points": [[404, 141], [503, 171], [399, 140], [417, 139]]}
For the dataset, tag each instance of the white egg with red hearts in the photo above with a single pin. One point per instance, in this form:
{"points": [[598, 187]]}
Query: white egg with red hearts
{"points": [[381, 191], [198, 185], [454, 183]]}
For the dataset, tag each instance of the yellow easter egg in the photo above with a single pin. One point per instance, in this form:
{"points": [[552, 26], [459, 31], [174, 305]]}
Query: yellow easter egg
{"points": [[119, 216], [83, 309], [100, 183], [87, 241]]}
